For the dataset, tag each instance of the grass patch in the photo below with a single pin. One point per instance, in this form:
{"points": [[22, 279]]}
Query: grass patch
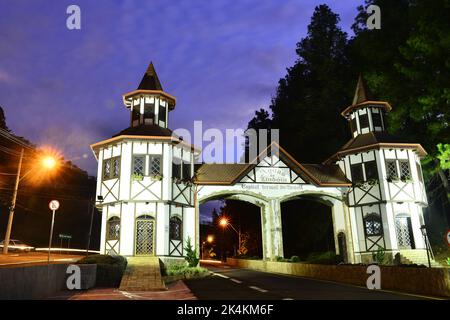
{"points": [[110, 269], [180, 271]]}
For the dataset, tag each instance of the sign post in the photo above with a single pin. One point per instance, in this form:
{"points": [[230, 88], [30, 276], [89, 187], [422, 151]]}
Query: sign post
{"points": [[53, 205]]}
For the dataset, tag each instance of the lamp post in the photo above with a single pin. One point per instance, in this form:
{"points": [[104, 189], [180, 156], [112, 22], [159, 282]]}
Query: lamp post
{"points": [[47, 162], [100, 200], [209, 239], [224, 223], [425, 239]]}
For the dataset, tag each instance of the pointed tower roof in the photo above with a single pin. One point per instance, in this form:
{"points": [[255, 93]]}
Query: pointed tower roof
{"points": [[363, 97], [150, 80], [362, 93]]}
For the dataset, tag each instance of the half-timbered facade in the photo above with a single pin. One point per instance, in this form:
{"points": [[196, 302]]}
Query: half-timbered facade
{"points": [[145, 179], [149, 193]]}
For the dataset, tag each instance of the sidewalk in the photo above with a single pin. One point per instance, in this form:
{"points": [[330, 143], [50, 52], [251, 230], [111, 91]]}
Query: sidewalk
{"points": [[175, 291]]}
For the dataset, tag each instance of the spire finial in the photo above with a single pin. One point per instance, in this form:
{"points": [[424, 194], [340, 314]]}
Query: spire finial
{"points": [[150, 80]]}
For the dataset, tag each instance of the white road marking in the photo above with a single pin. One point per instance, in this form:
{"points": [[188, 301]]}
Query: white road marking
{"points": [[235, 280], [258, 289], [221, 275], [288, 299]]}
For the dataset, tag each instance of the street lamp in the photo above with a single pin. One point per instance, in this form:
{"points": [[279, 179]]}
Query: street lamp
{"points": [[209, 239], [423, 228], [100, 201], [223, 222], [47, 162]]}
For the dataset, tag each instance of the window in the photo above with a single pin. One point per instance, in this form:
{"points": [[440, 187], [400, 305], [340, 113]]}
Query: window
{"points": [[136, 115], [176, 168], [138, 165], [186, 170], [149, 113], [419, 172], [376, 119], [113, 229], [162, 113], [405, 171], [353, 127], [372, 225], [106, 169], [111, 168], [363, 121], [391, 170], [357, 173], [175, 229], [115, 167], [155, 165], [371, 170]]}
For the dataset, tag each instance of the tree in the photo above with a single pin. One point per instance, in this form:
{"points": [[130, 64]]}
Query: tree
{"points": [[306, 107]]}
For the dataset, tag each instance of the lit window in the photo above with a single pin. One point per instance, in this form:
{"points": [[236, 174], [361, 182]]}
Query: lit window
{"points": [[115, 167], [138, 165], [372, 225], [106, 168], [175, 229], [113, 229], [155, 165]]}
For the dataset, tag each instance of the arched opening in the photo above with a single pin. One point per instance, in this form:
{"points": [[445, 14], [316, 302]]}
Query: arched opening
{"points": [[145, 235], [308, 233], [230, 228]]}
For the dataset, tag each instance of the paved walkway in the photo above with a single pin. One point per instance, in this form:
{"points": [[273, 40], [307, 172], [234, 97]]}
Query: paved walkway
{"points": [[175, 291], [142, 274]]}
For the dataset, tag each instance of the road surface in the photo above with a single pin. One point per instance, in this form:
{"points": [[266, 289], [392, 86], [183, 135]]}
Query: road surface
{"points": [[236, 284]]}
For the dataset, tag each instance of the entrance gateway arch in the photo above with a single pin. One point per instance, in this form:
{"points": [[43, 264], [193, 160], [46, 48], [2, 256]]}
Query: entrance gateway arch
{"points": [[272, 178]]}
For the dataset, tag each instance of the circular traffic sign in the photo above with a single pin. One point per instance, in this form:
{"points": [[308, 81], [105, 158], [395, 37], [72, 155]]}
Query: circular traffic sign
{"points": [[54, 205], [447, 237]]}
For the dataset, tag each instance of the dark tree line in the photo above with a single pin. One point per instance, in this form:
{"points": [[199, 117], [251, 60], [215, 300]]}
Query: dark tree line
{"points": [[69, 184], [406, 62]]}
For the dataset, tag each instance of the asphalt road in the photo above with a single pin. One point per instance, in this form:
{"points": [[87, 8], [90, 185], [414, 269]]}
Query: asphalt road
{"points": [[243, 284]]}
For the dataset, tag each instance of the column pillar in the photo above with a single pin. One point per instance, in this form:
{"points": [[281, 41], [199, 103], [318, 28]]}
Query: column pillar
{"points": [[276, 228]]}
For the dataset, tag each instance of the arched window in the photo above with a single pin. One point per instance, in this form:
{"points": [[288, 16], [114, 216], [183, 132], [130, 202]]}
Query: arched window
{"points": [[113, 229], [175, 229], [373, 225]]}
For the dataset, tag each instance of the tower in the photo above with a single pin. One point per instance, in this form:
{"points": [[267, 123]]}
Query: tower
{"points": [[388, 193], [144, 179]]}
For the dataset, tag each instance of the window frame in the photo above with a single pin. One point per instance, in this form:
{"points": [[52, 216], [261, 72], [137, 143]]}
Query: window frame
{"points": [[373, 218], [400, 167], [111, 174], [352, 171], [367, 166], [179, 222], [111, 221], [150, 164], [364, 119], [133, 163], [395, 176]]}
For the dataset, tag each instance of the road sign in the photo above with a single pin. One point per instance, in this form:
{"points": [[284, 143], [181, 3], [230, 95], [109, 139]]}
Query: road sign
{"points": [[65, 236], [447, 237], [54, 205]]}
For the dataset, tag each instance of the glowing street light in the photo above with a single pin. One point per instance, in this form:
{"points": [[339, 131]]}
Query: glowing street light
{"points": [[210, 238], [48, 162], [223, 222]]}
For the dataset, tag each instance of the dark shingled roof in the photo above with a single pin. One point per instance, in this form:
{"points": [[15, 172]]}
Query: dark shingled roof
{"points": [[326, 173], [372, 140], [219, 172], [150, 80], [145, 130]]}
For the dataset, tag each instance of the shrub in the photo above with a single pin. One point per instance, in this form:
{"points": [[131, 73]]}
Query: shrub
{"points": [[295, 259], [328, 257], [110, 269], [184, 270], [379, 256], [191, 254]]}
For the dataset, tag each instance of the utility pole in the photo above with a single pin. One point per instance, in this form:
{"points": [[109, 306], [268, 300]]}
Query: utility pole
{"points": [[13, 205], [90, 228]]}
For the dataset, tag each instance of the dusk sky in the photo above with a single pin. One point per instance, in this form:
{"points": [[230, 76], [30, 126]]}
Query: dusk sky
{"points": [[64, 87]]}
